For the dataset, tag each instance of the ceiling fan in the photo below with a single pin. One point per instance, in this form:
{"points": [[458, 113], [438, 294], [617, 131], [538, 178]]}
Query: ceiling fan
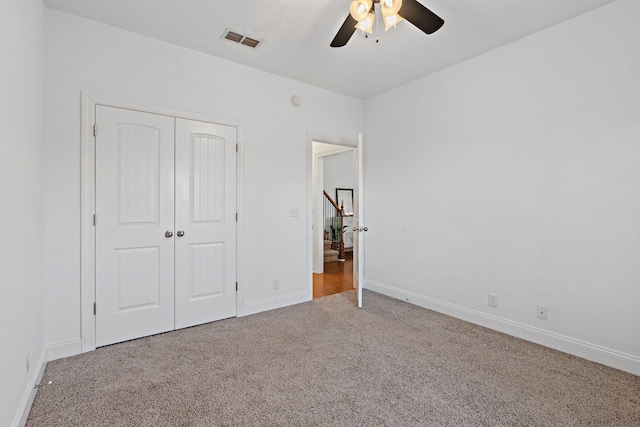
{"points": [[362, 14]]}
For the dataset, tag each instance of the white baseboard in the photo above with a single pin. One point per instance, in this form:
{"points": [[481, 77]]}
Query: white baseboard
{"points": [[276, 302], [64, 349], [30, 392], [592, 352]]}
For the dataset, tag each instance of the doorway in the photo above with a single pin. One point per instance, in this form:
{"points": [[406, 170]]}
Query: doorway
{"points": [[333, 184]]}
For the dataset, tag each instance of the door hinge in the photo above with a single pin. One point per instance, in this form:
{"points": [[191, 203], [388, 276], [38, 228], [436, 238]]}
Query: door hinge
{"points": [[236, 216], [95, 130], [236, 286], [94, 308], [94, 219], [236, 148]]}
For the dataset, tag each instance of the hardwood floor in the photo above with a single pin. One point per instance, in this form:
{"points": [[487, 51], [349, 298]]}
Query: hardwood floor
{"points": [[337, 277]]}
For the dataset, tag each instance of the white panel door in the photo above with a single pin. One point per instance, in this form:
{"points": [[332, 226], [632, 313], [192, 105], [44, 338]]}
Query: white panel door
{"points": [[205, 222], [359, 228], [134, 210]]}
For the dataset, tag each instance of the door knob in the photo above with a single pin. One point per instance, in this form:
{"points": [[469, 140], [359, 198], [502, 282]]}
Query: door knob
{"points": [[360, 229], [180, 233], [168, 234]]}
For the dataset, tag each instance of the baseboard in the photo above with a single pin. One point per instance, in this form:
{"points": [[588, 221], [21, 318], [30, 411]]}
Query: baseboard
{"points": [[30, 392], [64, 349], [276, 302], [594, 353]]}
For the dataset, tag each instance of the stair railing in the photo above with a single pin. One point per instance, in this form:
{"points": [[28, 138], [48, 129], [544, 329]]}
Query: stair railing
{"points": [[333, 221]]}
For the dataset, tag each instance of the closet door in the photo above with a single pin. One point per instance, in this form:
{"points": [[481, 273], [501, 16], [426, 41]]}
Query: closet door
{"points": [[205, 222], [134, 224]]}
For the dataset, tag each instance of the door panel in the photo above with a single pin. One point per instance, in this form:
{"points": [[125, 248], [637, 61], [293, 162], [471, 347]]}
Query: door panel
{"points": [[205, 222], [134, 209], [137, 278], [207, 178], [208, 269]]}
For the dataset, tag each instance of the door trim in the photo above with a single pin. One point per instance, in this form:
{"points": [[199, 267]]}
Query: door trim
{"points": [[311, 137], [88, 203]]}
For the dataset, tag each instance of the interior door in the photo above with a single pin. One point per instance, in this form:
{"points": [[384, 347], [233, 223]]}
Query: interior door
{"points": [[359, 228], [205, 222], [134, 224]]}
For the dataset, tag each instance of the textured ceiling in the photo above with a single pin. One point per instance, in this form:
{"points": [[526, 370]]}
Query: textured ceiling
{"points": [[297, 34]]}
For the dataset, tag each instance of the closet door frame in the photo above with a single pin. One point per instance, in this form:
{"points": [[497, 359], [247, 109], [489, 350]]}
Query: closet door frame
{"points": [[88, 203]]}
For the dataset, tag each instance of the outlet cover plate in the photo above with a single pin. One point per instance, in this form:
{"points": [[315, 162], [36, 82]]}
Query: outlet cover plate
{"points": [[542, 312], [493, 300]]}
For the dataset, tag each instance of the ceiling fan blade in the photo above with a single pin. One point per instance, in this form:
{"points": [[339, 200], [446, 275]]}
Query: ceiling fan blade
{"points": [[420, 16], [345, 32]]}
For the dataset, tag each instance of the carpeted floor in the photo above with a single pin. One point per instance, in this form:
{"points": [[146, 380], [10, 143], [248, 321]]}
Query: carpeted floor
{"points": [[327, 363]]}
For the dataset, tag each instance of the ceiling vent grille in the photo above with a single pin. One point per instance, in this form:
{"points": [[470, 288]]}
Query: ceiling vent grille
{"points": [[236, 37]]}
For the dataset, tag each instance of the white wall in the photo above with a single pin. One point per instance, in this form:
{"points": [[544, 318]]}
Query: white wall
{"points": [[338, 173], [518, 173], [85, 55], [21, 136]]}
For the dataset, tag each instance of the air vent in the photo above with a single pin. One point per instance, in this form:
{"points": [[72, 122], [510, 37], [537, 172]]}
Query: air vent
{"points": [[236, 37], [252, 43]]}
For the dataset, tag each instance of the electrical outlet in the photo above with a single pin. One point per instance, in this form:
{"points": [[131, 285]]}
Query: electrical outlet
{"points": [[493, 300], [293, 212], [276, 284], [542, 312]]}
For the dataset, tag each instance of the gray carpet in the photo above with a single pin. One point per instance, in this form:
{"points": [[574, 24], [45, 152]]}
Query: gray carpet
{"points": [[327, 363]]}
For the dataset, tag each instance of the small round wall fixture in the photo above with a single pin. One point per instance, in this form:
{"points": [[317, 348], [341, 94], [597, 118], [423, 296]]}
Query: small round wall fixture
{"points": [[296, 101]]}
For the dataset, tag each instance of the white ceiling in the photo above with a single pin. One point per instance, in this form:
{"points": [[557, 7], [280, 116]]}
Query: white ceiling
{"points": [[323, 149], [297, 34]]}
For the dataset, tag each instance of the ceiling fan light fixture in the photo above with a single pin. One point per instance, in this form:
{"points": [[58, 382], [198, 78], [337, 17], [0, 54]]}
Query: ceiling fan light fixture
{"points": [[390, 7], [360, 9], [392, 21], [366, 25]]}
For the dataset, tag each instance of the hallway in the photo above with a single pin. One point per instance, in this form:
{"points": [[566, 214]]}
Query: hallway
{"points": [[337, 277]]}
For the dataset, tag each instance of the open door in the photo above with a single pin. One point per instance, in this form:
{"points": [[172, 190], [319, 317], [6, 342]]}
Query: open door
{"points": [[358, 220]]}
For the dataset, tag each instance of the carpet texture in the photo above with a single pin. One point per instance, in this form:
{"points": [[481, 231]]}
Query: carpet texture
{"points": [[327, 363]]}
